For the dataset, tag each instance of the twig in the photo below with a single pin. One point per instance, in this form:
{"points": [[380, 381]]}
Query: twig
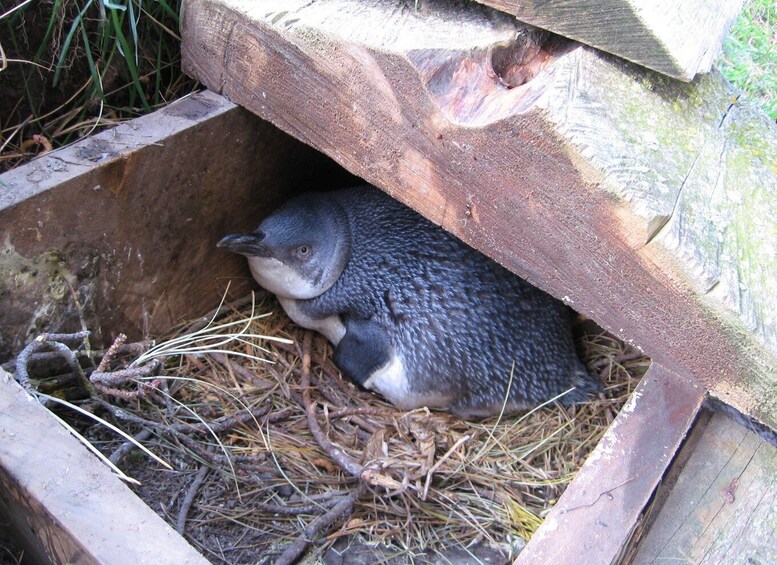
{"points": [[55, 342], [121, 376], [107, 382], [110, 354], [73, 292], [225, 423], [222, 424], [142, 389], [72, 360], [627, 356], [180, 523], [74, 337], [439, 463], [280, 415], [41, 356], [295, 510], [338, 455], [359, 411], [314, 530], [22, 374], [125, 448]]}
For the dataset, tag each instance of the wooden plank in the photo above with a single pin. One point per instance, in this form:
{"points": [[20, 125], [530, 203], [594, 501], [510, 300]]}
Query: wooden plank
{"points": [[628, 194], [723, 508], [129, 219], [595, 515], [679, 39], [68, 505]]}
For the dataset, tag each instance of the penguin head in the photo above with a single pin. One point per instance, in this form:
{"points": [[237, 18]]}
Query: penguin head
{"points": [[300, 250]]}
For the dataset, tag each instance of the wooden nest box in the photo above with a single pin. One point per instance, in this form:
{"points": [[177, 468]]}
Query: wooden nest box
{"points": [[642, 201], [647, 203]]}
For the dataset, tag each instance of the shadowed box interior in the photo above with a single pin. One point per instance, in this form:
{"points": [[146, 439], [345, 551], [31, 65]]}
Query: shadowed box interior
{"points": [[118, 232]]}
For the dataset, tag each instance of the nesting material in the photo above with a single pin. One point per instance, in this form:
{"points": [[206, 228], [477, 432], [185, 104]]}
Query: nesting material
{"points": [[423, 482]]}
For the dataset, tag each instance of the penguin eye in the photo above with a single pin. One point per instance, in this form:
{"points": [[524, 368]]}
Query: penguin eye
{"points": [[303, 251]]}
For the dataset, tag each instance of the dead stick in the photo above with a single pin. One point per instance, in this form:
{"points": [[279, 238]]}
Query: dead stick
{"points": [[136, 347], [222, 424], [111, 353], [23, 358], [295, 510], [72, 360], [292, 553], [180, 523], [338, 455], [360, 411], [241, 371], [120, 376], [226, 423], [128, 446], [620, 358]]}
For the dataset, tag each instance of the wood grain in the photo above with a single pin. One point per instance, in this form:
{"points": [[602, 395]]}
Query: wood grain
{"points": [[67, 506], [723, 508], [129, 220], [679, 39], [647, 204], [593, 519]]}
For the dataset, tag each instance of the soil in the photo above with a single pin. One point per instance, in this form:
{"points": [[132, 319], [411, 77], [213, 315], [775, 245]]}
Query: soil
{"points": [[27, 90], [10, 553], [62, 105]]}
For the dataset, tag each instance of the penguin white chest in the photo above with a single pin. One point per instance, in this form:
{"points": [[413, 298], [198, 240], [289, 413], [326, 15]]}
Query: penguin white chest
{"points": [[394, 383], [331, 328], [391, 381], [281, 279]]}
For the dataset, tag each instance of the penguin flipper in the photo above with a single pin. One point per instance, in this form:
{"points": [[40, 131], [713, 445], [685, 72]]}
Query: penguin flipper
{"points": [[363, 350]]}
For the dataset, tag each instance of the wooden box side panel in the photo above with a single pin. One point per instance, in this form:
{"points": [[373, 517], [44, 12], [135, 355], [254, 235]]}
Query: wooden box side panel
{"points": [[127, 221], [528, 175], [78, 511]]}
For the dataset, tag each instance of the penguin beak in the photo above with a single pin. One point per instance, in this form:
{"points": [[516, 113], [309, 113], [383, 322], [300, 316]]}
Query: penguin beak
{"points": [[249, 244]]}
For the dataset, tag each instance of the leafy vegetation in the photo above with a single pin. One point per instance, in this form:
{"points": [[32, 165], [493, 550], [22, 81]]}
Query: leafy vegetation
{"points": [[749, 58], [72, 66]]}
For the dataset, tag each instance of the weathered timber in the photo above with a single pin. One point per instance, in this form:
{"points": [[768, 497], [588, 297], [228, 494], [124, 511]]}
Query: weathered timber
{"points": [[679, 39], [648, 204], [127, 220], [596, 513], [723, 508], [66, 505]]}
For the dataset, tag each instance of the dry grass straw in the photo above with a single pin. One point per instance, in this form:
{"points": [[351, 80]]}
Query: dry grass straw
{"points": [[435, 481]]}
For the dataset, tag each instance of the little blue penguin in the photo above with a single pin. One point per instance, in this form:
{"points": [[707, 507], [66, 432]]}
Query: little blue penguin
{"points": [[414, 313]]}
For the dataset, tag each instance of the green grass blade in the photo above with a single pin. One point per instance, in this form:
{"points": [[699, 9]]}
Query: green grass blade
{"points": [[169, 11], [52, 20], [125, 49], [134, 29], [77, 21], [98, 86]]}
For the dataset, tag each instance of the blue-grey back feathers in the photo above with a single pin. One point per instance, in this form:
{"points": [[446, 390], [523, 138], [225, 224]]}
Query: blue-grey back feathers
{"points": [[415, 303]]}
